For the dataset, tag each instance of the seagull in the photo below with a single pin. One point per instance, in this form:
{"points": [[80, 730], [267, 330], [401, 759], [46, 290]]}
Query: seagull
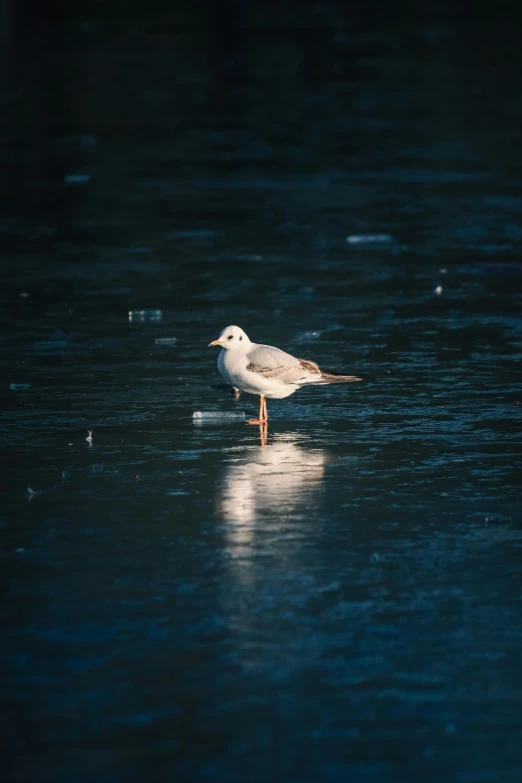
{"points": [[267, 371]]}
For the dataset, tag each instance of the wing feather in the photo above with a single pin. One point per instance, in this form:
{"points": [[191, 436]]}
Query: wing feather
{"points": [[270, 362], [270, 357]]}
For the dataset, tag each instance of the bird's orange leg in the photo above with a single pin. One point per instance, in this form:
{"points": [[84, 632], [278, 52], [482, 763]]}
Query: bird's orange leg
{"points": [[262, 413]]}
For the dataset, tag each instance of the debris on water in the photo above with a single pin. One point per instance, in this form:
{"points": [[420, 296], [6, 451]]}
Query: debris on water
{"points": [[307, 336], [443, 271], [19, 386], [23, 294], [368, 239], [165, 340], [235, 392], [76, 179], [217, 416], [31, 493], [145, 315], [20, 549], [89, 437], [438, 290]]}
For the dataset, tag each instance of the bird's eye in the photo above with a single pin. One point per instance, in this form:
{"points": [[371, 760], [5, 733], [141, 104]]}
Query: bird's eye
{"points": [[230, 336]]}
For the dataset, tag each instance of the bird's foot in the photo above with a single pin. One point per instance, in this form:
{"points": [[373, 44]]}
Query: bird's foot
{"points": [[256, 421]]}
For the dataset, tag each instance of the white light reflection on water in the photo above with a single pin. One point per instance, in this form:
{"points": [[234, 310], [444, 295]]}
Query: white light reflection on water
{"points": [[266, 485]]}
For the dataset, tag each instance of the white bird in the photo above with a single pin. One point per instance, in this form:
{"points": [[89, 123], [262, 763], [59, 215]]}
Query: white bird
{"points": [[267, 371]]}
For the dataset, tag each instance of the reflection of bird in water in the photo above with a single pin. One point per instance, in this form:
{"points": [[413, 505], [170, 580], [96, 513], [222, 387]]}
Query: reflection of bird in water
{"points": [[269, 497], [277, 480]]}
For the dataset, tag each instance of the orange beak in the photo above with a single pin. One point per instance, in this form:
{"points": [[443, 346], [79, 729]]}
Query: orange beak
{"points": [[214, 342]]}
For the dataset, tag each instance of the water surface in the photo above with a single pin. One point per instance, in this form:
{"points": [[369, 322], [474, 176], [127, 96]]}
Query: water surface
{"points": [[342, 602]]}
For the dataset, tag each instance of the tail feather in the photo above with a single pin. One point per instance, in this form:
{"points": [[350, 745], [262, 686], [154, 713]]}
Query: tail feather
{"points": [[325, 376], [330, 376]]}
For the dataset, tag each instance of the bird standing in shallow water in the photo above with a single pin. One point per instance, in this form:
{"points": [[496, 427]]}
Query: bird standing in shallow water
{"points": [[267, 371]]}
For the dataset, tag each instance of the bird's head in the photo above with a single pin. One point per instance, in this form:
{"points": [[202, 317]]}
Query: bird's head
{"points": [[231, 338]]}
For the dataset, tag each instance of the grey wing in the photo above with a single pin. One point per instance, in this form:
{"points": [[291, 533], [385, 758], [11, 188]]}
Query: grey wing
{"points": [[271, 362]]}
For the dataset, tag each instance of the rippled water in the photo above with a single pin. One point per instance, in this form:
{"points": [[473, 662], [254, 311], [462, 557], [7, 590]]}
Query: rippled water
{"points": [[342, 602]]}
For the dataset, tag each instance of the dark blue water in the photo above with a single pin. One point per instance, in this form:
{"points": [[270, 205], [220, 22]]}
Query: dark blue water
{"points": [[193, 602]]}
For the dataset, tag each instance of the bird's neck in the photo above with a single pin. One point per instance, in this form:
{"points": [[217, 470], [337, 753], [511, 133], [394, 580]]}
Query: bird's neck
{"points": [[240, 351]]}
